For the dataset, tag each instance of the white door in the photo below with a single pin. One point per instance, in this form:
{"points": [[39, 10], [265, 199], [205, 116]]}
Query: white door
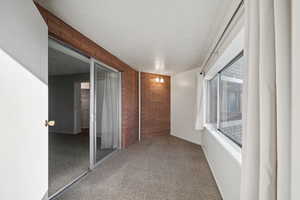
{"points": [[23, 102], [24, 137]]}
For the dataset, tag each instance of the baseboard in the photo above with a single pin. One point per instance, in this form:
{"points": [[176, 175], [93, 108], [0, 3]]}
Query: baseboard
{"points": [[186, 139]]}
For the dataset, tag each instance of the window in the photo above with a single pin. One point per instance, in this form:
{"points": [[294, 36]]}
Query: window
{"points": [[213, 101], [225, 100]]}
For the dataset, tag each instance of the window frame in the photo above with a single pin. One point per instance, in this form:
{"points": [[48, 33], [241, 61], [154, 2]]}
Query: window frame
{"points": [[218, 75]]}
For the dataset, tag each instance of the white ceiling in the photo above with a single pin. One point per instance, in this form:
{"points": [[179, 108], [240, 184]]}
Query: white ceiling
{"points": [[160, 36]]}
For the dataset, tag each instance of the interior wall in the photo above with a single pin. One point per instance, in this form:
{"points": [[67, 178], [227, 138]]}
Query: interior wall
{"points": [[155, 105], [224, 161], [183, 106], [20, 38], [64, 32], [224, 164], [223, 158], [295, 104], [24, 63], [62, 106]]}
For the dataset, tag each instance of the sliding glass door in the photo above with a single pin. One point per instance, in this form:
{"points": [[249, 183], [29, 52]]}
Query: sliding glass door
{"points": [[68, 105], [85, 102], [106, 111]]}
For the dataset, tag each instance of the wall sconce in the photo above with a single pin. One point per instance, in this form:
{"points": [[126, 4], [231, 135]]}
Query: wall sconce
{"points": [[159, 80]]}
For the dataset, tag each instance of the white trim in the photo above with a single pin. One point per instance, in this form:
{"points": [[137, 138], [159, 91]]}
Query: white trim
{"points": [[218, 101], [230, 146], [140, 105], [185, 139], [205, 96], [231, 79], [120, 110], [237, 20], [234, 49], [92, 114], [93, 108]]}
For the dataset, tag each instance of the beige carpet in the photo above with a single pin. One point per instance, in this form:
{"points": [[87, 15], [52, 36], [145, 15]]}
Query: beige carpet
{"points": [[159, 168], [69, 158]]}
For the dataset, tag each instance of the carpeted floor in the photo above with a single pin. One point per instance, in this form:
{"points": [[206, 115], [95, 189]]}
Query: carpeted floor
{"points": [[159, 168], [69, 158]]}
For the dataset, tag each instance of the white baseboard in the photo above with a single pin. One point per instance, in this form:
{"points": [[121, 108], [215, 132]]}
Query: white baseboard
{"points": [[186, 139]]}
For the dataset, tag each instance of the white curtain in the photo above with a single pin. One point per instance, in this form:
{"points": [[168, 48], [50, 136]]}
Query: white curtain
{"points": [[110, 111], [199, 122], [107, 104], [266, 128]]}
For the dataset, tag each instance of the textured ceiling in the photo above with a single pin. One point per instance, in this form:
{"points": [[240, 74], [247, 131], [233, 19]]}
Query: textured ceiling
{"points": [[160, 36]]}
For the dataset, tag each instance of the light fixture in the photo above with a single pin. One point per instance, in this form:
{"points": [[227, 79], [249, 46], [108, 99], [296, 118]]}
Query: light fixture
{"points": [[159, 80]]}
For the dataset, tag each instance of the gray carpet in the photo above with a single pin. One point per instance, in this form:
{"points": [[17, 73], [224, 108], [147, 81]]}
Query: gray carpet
{"points": [[159, 168], [69, 158]]}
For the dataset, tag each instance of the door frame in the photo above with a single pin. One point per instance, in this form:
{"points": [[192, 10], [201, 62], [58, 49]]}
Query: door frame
{"points": [[57, 44], [93, 145], [92, 140]]}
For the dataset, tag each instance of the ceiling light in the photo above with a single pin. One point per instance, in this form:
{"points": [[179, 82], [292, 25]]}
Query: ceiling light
{"points": [[161, 80]]}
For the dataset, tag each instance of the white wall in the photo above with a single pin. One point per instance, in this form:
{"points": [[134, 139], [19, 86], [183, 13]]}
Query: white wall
{"points": [[183, 106], [24, 35], [24, 101], [295, 172], [223, 156], [225, 162]]}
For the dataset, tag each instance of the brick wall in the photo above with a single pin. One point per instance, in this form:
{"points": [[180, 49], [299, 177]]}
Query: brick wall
{"points": [[155, 105], [62, 31]]}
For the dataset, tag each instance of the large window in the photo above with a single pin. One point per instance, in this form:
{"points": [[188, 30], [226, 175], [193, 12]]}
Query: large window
{"points": [[225, 100]]}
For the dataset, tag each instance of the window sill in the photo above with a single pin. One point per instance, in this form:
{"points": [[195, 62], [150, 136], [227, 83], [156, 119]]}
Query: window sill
{"points": [[230, 146]]}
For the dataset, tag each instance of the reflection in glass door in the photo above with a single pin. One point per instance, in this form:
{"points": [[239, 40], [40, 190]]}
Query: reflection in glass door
{"points": [[106, 111], [69, 78]]}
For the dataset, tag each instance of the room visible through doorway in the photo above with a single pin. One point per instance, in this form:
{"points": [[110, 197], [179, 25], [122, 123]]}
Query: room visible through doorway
{"points": [[85, 103]]}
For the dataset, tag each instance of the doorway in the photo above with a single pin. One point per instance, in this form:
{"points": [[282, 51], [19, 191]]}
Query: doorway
{"points": [[84, 102], [69, 138]]}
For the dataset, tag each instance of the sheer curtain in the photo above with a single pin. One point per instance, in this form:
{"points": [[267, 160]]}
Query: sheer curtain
{"points": [[110, 111], [107, 105], [267, 97]]}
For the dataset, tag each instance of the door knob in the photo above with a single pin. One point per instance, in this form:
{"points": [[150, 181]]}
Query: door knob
{"points": [[49, 123]]}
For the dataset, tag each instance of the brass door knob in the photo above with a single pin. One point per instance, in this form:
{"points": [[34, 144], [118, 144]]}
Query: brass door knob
{"points": [[49, 123]]}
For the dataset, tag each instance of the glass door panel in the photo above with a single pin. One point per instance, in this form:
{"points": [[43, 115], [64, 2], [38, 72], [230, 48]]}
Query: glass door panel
{"points": [[69, 92], [107, 111]]}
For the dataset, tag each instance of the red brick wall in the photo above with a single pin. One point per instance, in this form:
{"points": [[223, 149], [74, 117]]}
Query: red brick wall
{"points": [[155, 105], [62, 31]]}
